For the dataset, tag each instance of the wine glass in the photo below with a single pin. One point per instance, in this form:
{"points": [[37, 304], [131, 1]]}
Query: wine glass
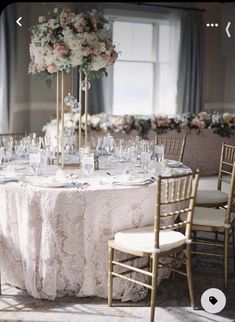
{"points": [[145, 160], [159, 153], [88, 164], [8, 150], [2, 153], [35, 161]]}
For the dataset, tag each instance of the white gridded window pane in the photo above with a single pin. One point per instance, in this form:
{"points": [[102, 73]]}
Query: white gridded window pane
{"points": [[133, 88], [164, 44], [135, 40], [167, 94]]}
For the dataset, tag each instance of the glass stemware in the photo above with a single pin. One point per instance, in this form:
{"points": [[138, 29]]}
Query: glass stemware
{"points": [[145, 160], [159, 153], [35, 161], [2, 153], [88, 164]]}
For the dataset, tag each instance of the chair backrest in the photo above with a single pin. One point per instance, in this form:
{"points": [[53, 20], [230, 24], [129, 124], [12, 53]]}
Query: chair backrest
{"points": [[174, 147], [230, 203], [227, 159], [179, 193]]}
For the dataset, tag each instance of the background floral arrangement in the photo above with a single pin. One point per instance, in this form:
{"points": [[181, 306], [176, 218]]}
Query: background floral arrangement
{"points": [[62, 41], [222, 124]]}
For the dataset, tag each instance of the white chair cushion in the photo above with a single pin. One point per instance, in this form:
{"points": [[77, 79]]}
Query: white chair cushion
{"points": [[142, 239], [211, 196], [207, 217]]}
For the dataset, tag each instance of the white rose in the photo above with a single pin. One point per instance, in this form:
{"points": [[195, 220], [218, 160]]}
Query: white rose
{"points": [[76, 58], [41, 19], [104, 34], [97, 63], [227, 117], [95, 120]]}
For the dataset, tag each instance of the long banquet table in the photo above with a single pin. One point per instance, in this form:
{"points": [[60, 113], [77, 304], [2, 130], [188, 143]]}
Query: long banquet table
{"points": [[54, 241]]}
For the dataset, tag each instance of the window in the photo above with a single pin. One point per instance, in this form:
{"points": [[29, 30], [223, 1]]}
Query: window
{"points": [[144, 76]]}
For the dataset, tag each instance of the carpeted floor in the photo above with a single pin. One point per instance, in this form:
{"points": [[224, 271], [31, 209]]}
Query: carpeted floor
{"points": [[172, 302]]}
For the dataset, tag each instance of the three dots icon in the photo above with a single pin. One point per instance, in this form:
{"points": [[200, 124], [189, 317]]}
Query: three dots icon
{"points": [[212, 25]]}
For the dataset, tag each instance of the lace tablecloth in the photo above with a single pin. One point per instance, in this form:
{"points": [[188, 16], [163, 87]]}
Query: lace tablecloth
{"points": [[54, 241]]}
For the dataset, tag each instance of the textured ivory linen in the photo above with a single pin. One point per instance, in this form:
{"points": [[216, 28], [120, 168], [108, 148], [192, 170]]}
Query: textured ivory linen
{"points": [[54, 241]]}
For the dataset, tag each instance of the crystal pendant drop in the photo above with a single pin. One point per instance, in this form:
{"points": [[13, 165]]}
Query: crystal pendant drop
{"points": [[84, 85], [68, 100], [75, 106]]}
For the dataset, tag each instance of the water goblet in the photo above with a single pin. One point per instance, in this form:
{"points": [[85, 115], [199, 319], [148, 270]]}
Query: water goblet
{"points": [[145, 160], [35, 161], [159, 153], [88, 164], [2, 153]]}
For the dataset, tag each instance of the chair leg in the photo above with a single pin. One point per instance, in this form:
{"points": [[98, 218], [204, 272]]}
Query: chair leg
{"points": [[233, 242], [154, 286], [173, 266], [110, 276], [226, 233], [189, 275], [194, 239]]}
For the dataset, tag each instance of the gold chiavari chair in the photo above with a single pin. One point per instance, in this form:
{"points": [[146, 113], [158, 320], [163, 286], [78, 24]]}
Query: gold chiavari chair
{"points": [[173, 147], [214, 220], [216, 197], [159, 240]]}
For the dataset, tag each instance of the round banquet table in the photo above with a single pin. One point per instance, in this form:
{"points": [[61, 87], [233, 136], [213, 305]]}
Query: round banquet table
{"points": [[54, 241]]}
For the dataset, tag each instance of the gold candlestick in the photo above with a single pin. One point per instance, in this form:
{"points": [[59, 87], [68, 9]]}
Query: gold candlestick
{"points": [[86, 107], [80, 112], [57, 114], [62, 119]]}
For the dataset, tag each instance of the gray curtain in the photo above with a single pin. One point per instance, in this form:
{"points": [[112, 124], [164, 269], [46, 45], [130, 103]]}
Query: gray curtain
{"points": [[189, 97], [7, 63]]}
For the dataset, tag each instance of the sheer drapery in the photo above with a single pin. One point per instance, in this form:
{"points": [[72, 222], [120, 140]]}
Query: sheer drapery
{"points": [[189, 97], [7, 60], [167, 67]]}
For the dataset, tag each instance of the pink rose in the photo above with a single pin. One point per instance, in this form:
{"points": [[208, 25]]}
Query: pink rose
{"points": [[52, 68], [198, 123], [41, 66], [60, 49], [112, 57], [203, 116], [105, 56], [96, 51]]}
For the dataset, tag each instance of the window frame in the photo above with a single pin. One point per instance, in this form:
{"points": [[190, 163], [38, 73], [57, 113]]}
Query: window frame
{"points": [[140, 18]]}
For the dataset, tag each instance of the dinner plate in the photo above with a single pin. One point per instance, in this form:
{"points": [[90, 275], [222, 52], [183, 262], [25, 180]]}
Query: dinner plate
{"points": [[49, 183], [173, 164], [135, 181]]}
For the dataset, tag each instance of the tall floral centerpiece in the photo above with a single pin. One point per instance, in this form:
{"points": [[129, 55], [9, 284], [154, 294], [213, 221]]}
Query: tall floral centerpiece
{"points": [[64, 40]]}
